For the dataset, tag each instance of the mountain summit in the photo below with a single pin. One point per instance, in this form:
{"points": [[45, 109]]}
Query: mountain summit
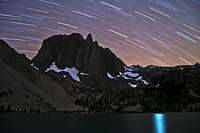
{"points": [[75, 51]]}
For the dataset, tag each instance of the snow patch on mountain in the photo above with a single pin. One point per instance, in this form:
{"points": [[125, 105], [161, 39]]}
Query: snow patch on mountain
{"points": [[140, 78], [34, 66], [132, 85], [129, 74], [125, 77], [128, 69], [72, 71], [110, 76], [85, 74]]}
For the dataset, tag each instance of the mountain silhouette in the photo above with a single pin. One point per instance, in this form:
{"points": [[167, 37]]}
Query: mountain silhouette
{"points": [[72, 73], [75, 51]]}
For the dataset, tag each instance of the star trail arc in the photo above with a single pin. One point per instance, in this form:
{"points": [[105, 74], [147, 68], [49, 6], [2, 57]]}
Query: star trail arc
{"points": [[144, 32]]}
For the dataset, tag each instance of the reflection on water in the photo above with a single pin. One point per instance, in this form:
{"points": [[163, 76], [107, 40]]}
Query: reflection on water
{"points": [[159, 123], [103, 123]]}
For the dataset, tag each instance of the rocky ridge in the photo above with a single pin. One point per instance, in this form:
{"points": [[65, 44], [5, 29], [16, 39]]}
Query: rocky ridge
{"points": [[71, 73]]}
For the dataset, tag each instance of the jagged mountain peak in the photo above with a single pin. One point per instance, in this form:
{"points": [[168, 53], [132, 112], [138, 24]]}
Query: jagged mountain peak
{"points": [[74, 51], [89, 38]]}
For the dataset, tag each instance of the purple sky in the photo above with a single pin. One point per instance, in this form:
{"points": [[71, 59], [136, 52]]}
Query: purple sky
{"points": [[144, 32]]}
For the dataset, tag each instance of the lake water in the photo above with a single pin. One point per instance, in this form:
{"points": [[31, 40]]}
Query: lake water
{"points": [[102, 123]]}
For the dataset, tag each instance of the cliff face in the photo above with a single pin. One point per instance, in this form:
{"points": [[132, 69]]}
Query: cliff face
{"points": [[75, 51]]}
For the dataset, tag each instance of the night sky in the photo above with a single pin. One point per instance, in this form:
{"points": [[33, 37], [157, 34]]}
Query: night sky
{"points": [[144, 32]]}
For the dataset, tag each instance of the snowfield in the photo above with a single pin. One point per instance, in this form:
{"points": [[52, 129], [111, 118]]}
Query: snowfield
{"points": [[129, 74], [72, 71]]}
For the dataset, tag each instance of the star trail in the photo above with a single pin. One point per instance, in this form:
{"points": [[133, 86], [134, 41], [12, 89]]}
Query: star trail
{"points": [[144, 32]]}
